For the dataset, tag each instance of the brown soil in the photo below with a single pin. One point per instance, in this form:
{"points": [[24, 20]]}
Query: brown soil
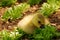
{"points": [[55, 19]]}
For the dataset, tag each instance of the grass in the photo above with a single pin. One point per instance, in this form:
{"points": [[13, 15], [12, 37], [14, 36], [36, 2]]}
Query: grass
{"points": [[7, 2], [15, 12], [33, 2], [50, 7]]}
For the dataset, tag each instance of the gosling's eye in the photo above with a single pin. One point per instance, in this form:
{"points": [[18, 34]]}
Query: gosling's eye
{"points": [[39, 22]]}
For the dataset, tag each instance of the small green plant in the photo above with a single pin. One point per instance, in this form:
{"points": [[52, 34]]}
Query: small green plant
{"points": [[47, 9], [15, 12], [7, 2], [50, 7], [6, 35], [33, 2], [55, 3], [44, 34]]}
